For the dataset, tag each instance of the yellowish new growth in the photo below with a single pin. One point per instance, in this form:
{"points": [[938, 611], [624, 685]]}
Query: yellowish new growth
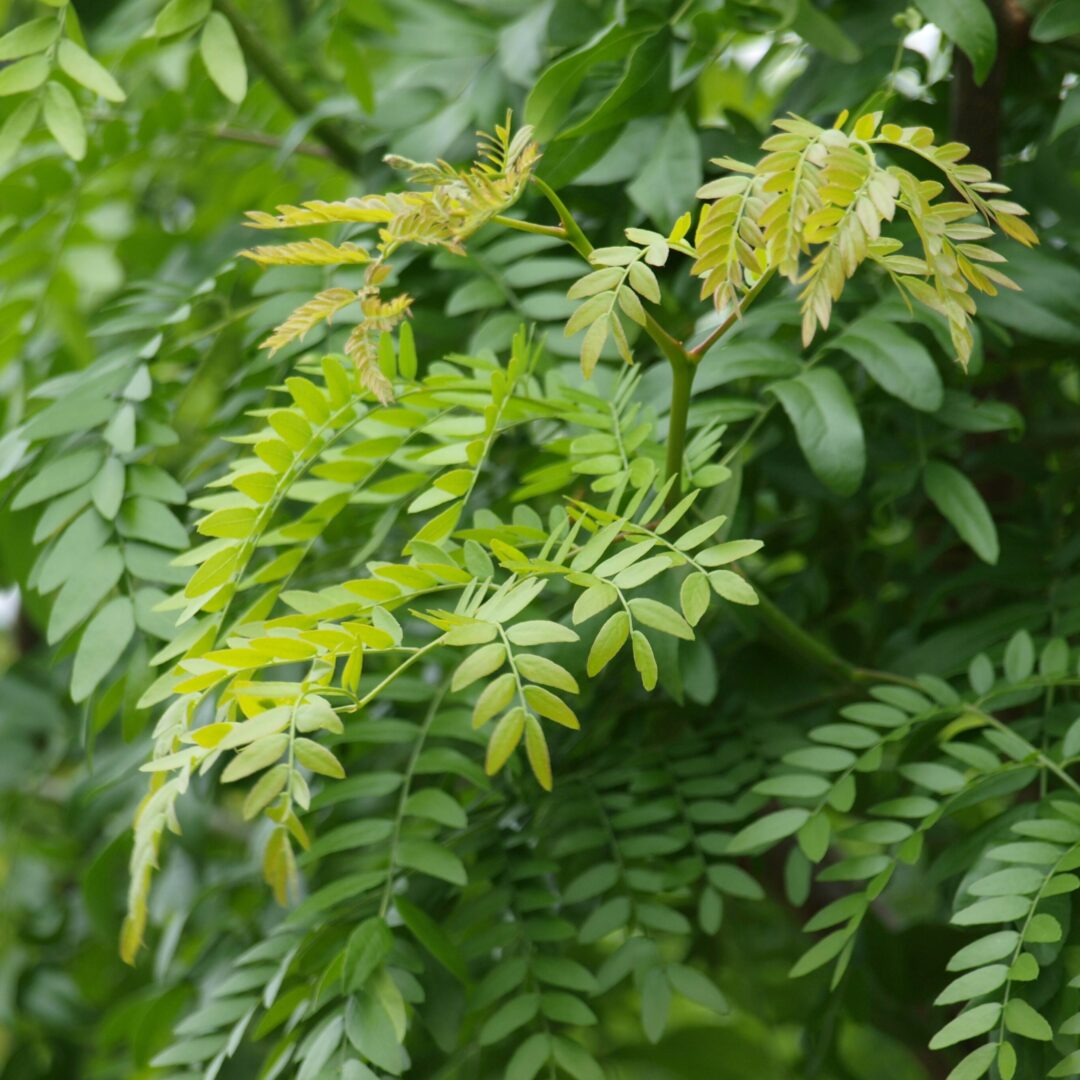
{"points": [[456, 203], [364, 210], [316, 252], [823, 194], [729, 239], [324, 305], [362, 347]]}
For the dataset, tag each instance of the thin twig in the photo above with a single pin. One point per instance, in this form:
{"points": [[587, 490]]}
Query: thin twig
{"points": [[259, 138], [699, 350]]}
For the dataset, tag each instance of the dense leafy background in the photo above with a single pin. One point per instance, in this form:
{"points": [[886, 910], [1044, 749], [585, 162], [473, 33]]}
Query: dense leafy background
{"points": [[127, 323]]}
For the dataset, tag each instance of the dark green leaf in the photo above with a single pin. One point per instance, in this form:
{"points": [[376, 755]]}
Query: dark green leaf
{"points": [[433, 937], [369, 945], [963, 507], [827, 426], [897, 362]]}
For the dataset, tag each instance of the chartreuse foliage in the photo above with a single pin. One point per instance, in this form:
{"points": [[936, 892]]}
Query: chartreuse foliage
{"points": [[456, 204], [824, 194], [491, 621], [455, 762], [43, 54], [472, 591]]}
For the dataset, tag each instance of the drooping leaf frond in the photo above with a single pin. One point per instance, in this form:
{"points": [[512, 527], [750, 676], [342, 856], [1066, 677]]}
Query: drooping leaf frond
{"points": [[463, 633], [823, 194], [321, 307], [792, 172], [946, 752], [475, 591], [730, 243], [456, 204], [465, 730], [358, 210], [857, 197]]}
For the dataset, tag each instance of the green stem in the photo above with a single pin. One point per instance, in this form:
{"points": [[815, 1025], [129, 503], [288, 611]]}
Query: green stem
{"points": [[272, 142], [523, 701], [333, 428], [1040, 757], [733, 451], [879, 98], [403, 797], [327, 131], [682, 363], [574, 236], [796, 641], [698, 351], [788, 634], [669, 346], [530, 226], [682, 375], [399, 670]]}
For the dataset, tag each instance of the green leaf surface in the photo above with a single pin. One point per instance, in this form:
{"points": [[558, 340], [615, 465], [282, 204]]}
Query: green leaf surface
{"points": [[897, 362], [223, 57], [824, 33], [89, 584], [827, 427], [31, 37], [1022, 1019], [970, 25], [551, 97], [368, 946], [430, 858], [968, 1025], [976, 1064], [432, 937], [666, 185], [655, 1004], [23, 75], [178, 16], [960, 503], [102, 644], [1059, 19], [64, 121], [509, 1018], [85, 70], [768, 830]]}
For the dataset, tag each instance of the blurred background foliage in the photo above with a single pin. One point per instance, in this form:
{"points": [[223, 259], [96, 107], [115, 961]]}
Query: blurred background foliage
{"points": [[117, 271]]}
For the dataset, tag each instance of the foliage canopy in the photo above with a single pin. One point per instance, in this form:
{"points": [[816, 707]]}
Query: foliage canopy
{"points": [[545, 604]]}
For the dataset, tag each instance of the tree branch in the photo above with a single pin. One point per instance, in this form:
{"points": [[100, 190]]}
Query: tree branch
{"points": [[976, 109], [327, 131], [259, 138], [791, 638], [682, 379]]}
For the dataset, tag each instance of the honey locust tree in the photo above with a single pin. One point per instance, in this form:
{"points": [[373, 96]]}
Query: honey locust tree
{"points": [[598, 602]]}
